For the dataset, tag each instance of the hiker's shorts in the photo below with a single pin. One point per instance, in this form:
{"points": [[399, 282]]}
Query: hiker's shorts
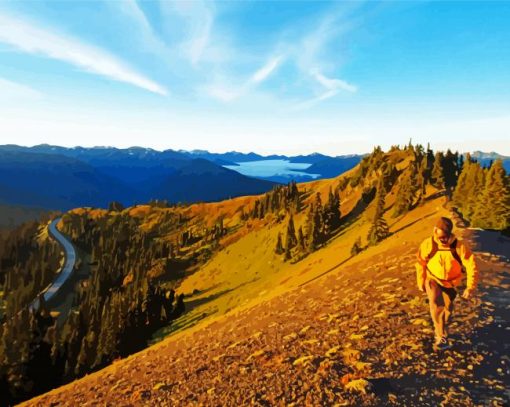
{"points": [[441, 305]]}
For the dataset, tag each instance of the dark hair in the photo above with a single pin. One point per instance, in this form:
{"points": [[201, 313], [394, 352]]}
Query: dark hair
{"points": [[445, 224]]}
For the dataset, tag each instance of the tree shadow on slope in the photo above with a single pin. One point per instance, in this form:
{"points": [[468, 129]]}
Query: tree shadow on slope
{"points": [[190, 319], [491, 241]]}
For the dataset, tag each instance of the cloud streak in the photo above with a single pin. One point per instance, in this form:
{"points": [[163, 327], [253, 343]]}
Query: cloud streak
{"points": [[229, 93], [310, 56], [132, 10], [196, 23], [10, 90], [263, 73], [334, 84], [28, 38], [332, 88]]}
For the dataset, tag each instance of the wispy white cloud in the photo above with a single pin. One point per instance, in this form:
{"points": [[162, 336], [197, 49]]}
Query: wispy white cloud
{"points": [[10, 91], [223, 92], [311, 60], [331, 87], [150, 39], [334, 84], [197, 20], [31, 39], [228, 93], [263, 73]]}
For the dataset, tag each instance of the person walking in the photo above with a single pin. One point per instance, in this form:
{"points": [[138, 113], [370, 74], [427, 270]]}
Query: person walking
{"points": [[441, 259]]}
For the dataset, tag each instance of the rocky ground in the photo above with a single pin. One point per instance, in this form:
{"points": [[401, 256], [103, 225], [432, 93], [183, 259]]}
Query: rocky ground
{"points": [[360, 335]]}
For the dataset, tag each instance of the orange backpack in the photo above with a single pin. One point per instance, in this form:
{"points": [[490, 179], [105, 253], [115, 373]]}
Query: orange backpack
{"points": [[452, 248]]}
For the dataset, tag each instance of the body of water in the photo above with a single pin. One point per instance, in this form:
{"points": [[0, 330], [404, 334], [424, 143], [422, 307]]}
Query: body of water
{"points": [[272, 168]]}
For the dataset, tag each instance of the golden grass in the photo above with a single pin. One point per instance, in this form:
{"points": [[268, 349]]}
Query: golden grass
{"points": [[248, 271]]}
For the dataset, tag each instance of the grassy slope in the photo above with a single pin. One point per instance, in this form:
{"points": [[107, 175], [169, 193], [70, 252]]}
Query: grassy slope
{"points": [[364, 319], [248, 271], [229, 295]]}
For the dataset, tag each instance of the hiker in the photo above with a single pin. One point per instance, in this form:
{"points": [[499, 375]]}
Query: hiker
{"points": [[439, 270]]}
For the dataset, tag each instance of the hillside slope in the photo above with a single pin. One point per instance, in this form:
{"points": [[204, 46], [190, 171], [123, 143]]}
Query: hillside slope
{"points": [[331, 332]]}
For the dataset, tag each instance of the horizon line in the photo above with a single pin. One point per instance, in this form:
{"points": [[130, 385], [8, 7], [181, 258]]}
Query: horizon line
{"points": [[226, 152]]}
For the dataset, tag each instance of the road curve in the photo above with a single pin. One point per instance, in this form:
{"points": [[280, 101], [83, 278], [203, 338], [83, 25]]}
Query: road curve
{"points": [[66, 271]]}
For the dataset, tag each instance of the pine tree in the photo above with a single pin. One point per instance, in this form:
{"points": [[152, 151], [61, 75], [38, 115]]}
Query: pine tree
{"points": [[437, 175], [332, 213], [279, 245], [461, 191], [313, 226], [288, 250], [422, 179], [389, 174], [406, 191], [291, 240], [301, 239], [493, 209], [356, 247], [379, 229], [475, 184], [450, 162]]}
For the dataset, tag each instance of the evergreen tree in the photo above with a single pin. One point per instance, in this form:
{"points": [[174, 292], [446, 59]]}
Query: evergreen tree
{"points": [[356, 247], [422, 179], [279, 245], [288, 250], [389, 174], [450, 171], [493, 209], [475, 184], [313, 227], [332, 213], [406, 191], [437, 175], [291, 240], [379, 229], [462, 188], [301, 239]]}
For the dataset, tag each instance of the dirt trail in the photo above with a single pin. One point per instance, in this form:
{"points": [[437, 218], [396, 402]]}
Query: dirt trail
{"points": [[360, 335]]}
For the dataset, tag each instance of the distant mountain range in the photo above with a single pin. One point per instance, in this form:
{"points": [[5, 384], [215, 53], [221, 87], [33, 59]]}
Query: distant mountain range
{"points": [[56, 177], [319, 165], [63, 178], [233, 157], [485, 159]]}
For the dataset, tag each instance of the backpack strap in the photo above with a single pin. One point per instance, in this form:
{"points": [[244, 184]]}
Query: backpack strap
{"points": [[452, 249], [433, 252]]}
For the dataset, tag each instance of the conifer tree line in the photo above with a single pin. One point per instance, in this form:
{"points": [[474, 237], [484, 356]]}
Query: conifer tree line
{"points": [[27, 265], [440, 170], [114, 314], [482, 195], [321, 223], [281, 197]]}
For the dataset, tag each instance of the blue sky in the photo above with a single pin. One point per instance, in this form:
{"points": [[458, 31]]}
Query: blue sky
{"points": [[270, 77]]}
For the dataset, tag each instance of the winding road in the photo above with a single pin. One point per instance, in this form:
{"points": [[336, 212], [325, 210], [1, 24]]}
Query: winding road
{"points": [[66, 271]]}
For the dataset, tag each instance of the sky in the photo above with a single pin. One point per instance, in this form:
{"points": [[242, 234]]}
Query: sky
{"points": [[277, 77]]}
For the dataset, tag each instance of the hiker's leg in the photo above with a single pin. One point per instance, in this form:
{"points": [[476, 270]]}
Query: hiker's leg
{"points": [[449, 295], [436, 304]]}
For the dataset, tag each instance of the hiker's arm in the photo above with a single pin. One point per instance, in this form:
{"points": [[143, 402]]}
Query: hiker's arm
{"points": [[469, 262], [421, 266]]}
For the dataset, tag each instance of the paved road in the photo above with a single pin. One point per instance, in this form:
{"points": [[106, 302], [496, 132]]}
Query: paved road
{"points": [[66, 271]]}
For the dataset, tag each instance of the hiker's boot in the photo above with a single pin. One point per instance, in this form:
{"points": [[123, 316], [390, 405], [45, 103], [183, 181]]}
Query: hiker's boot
{"points": [[441, 343]]}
